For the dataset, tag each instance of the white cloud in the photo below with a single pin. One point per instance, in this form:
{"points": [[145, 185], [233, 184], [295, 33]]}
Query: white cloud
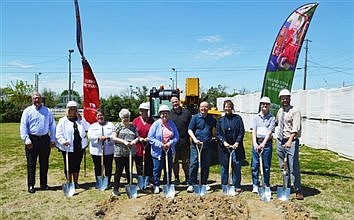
{"points": [[210, 39], [19, 65], [215, 54]]}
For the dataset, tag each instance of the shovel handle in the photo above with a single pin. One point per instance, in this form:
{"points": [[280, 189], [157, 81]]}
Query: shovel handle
{"points": [[144, 143], [67, 165], [230, 167], [261, 166], [167, 164], [199, 161]]}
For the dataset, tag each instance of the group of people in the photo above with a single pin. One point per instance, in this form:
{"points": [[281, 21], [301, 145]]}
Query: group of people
{"points": [[177, 135]]}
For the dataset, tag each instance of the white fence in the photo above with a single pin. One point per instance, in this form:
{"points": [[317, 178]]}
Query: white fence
{"points": [[327, 116]]}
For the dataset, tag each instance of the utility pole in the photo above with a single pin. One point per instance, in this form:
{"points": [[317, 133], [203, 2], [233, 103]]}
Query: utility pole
{"points": [[36, 81], [69, 91], [305, 67], [174, 70]]}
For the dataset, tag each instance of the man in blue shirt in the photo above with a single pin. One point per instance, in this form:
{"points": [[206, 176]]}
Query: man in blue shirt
{"points": [[200, 130], [37, 123]]}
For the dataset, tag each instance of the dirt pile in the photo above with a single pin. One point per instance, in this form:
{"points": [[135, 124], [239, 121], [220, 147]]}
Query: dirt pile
{"points": [[195, 207], [189, 206]]}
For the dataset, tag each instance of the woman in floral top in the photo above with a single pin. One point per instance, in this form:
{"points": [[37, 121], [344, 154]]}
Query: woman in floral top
{"points": [[125, 137]]}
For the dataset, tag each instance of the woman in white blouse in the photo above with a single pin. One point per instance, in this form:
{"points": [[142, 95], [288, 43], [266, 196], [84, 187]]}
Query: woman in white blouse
{"points": [[71, 136]]}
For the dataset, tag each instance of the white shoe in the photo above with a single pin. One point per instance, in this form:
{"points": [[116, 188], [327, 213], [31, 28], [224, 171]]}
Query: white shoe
{"points": [[156, 190], [207, 188], [255, 189], [268, 192], [190, 189]]}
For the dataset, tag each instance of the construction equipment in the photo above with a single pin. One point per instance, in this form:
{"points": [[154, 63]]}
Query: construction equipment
{"points": [[159, 97], [283, 193]]}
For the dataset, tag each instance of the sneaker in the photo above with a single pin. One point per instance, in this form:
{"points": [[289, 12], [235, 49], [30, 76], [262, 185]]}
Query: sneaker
{"points": [[115, 193], [255, 189], [238, 191], [299, 196], [190, 189], [176, 182], [207, 187], [44, 187], [156, 190], [77, 186]]}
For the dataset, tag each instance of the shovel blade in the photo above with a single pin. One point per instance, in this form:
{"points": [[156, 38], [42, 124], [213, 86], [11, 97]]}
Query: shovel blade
{"points": [[169, 191], [261, 193], [69, 189], [228, 190], [283, 194], [101, 182], [268, 194], [199, 190], [143, 182], [131, 191]]}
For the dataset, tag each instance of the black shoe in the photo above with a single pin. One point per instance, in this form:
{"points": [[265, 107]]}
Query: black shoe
{"points": [[31, 189], [44, 187], [77, 186]]}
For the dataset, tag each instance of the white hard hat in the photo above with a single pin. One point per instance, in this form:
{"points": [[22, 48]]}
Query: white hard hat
{"points": [[71, 104], [163, 108], [144, 105], [265, 99], [284, 92]]}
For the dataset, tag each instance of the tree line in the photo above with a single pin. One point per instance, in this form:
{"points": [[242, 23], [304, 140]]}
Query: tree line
{"points": [[15, 97]]}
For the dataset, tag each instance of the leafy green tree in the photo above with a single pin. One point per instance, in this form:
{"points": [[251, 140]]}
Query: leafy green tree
{"points": [[213, 93], [51, 98], [15, 98]]}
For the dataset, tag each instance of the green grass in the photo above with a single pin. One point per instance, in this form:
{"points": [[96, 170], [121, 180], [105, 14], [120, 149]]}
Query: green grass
{"points": [[327, 180]]}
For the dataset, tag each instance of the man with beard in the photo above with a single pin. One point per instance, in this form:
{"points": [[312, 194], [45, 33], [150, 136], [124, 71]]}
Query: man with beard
{"points": [[181, 117], [289, 131]]}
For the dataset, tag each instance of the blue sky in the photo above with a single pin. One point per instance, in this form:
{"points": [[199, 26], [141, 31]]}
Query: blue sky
{"points": [[139, 42]]}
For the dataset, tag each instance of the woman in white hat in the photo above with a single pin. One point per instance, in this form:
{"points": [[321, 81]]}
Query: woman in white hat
{"points": [[262, 127], [163, 136], [71, 137], [142, 124]]}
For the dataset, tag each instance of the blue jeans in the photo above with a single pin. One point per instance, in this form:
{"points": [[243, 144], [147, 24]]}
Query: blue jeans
{"points": [[193, 165], [293, 159], [160, 164], [267, 160], [224, 157]]}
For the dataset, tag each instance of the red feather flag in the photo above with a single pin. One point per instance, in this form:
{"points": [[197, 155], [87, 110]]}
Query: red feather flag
{"points": [[91, 93], [90, 86]]}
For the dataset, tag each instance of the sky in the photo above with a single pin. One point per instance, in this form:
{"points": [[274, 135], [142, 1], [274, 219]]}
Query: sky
{"points": [[132, 44]]}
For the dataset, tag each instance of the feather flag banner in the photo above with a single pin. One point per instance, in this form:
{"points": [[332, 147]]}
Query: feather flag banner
{"points": [[90, 86], [284, 55]]}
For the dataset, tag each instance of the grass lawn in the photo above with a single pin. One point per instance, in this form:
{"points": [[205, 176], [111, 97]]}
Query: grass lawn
{"points": [[327, 180]]}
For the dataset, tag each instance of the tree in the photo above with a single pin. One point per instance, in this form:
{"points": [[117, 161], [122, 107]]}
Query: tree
{"points": [[15, 98], [51, 98], [213, 93]]}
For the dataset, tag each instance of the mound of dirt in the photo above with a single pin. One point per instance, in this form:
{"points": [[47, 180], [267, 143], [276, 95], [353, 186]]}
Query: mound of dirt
{"points": [[188, 206]]}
